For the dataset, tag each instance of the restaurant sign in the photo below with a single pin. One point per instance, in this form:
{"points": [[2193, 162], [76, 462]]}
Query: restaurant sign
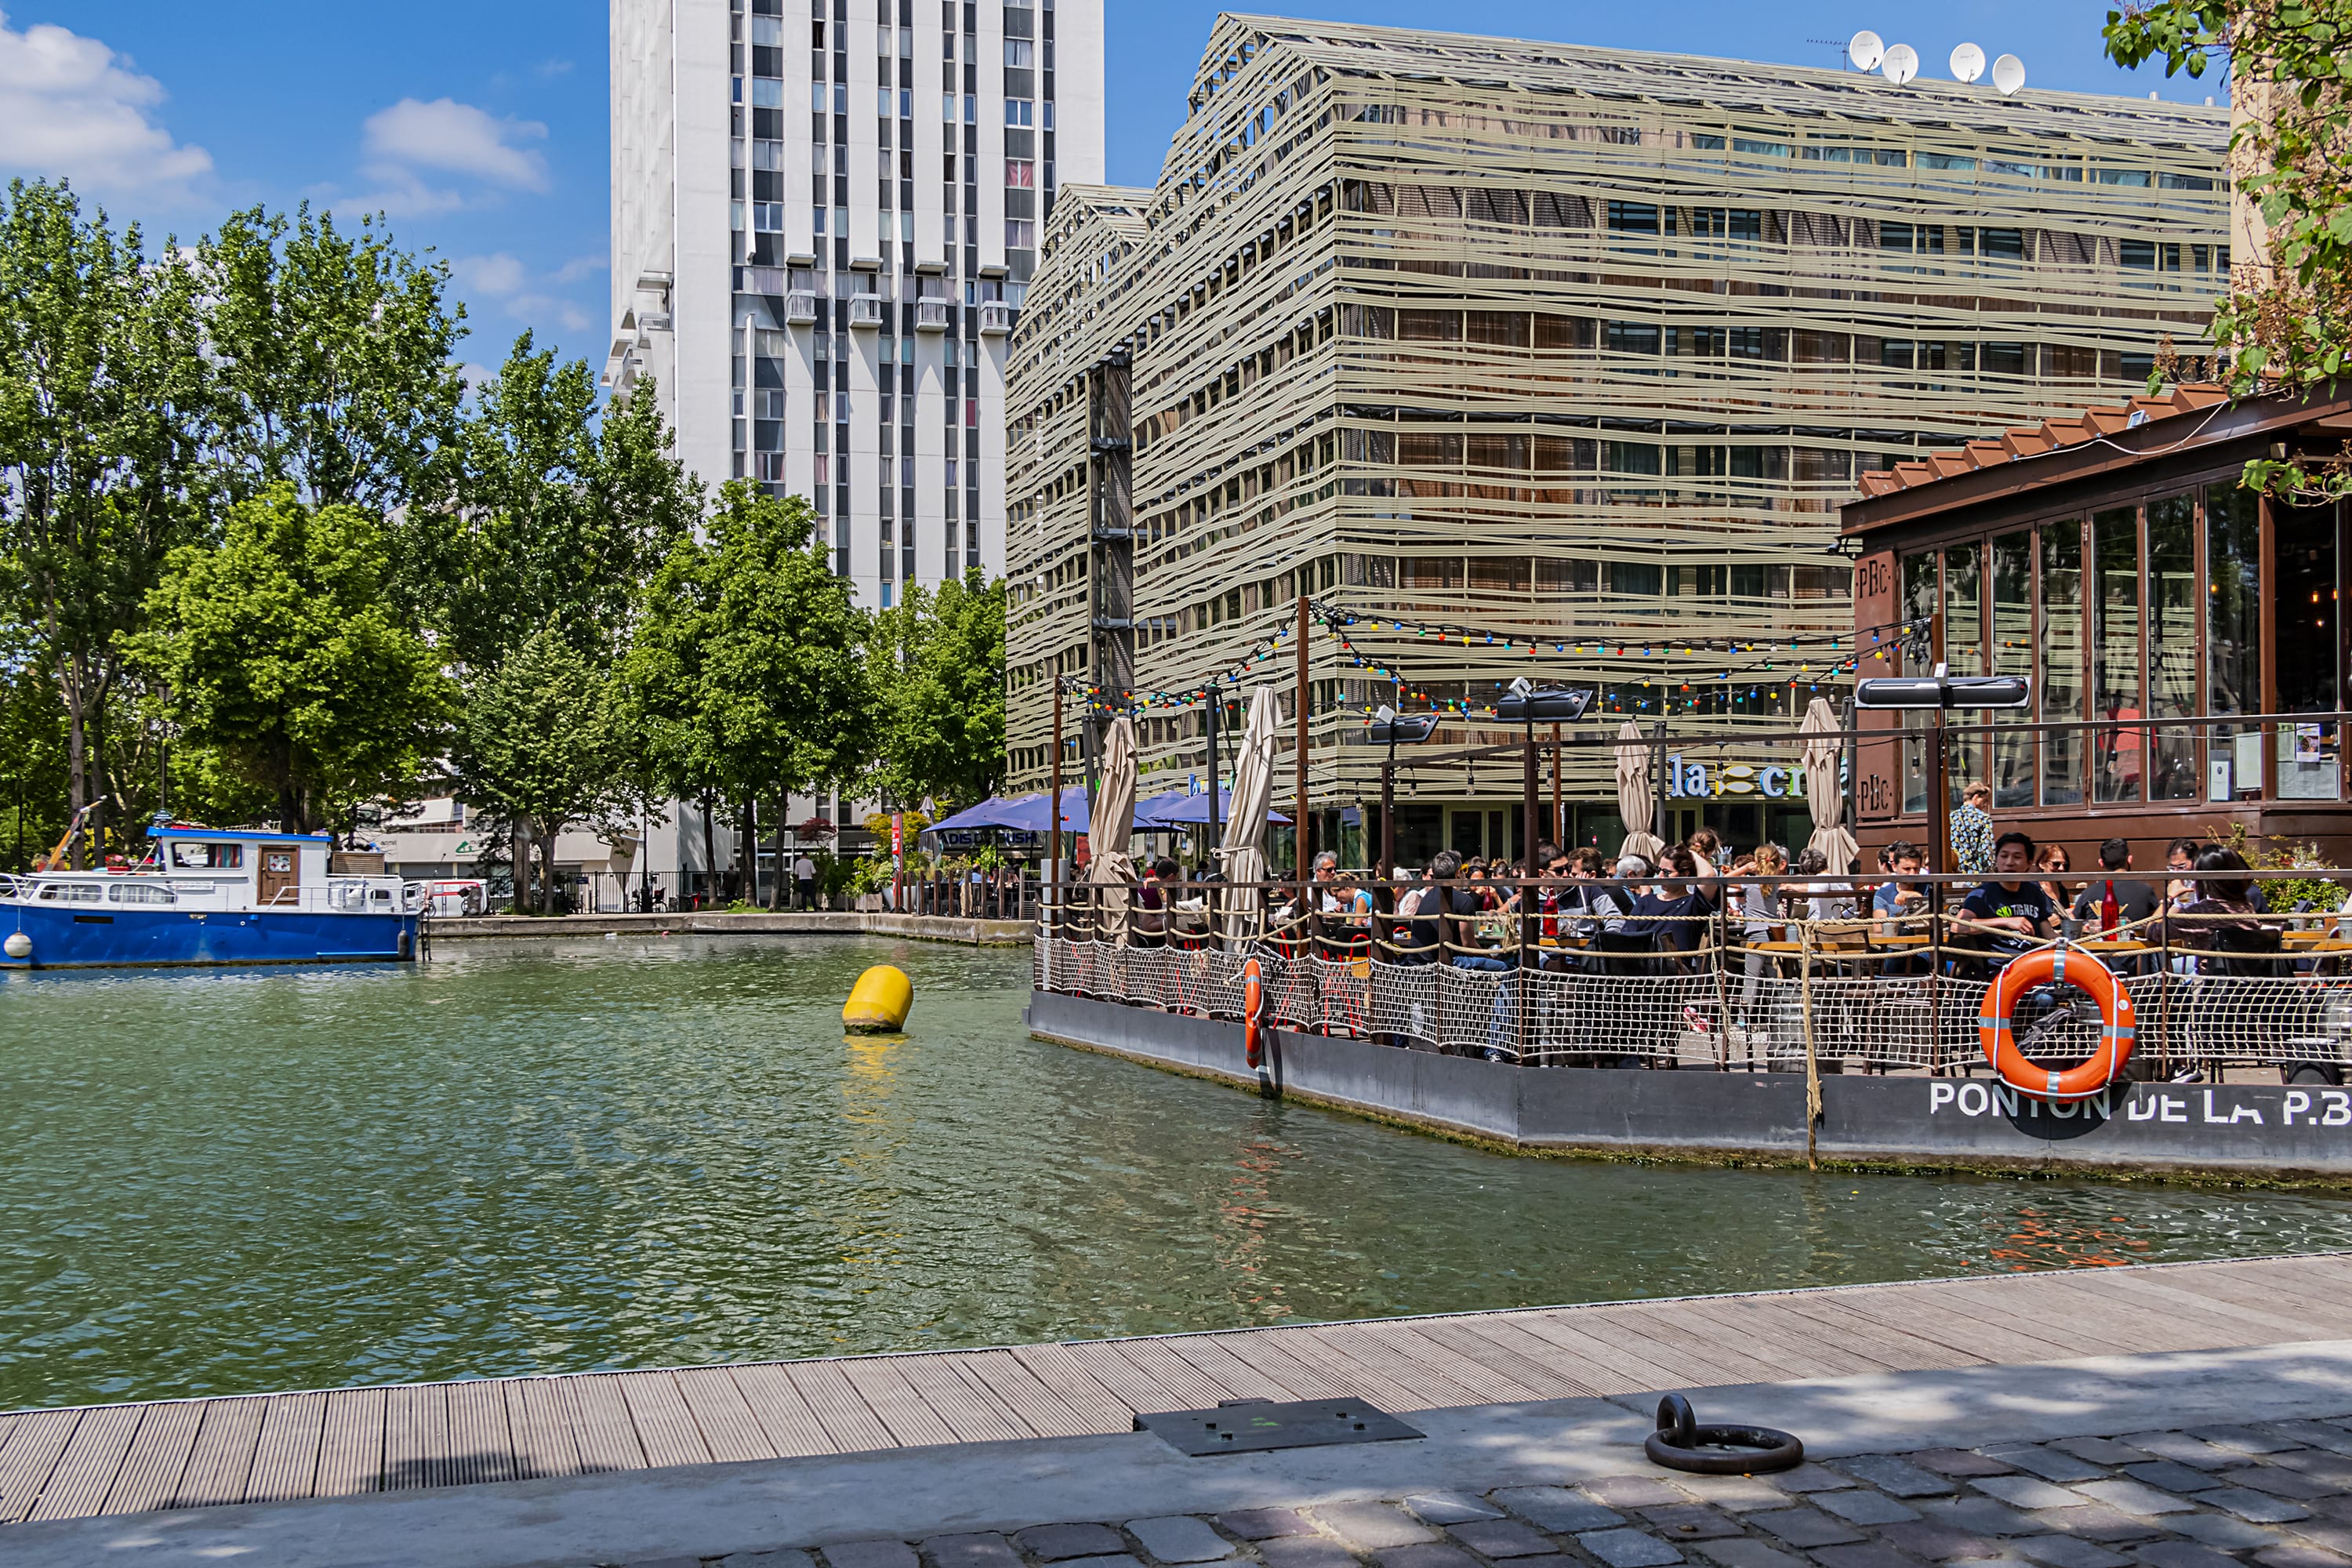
{"points": [[1693, 781]]}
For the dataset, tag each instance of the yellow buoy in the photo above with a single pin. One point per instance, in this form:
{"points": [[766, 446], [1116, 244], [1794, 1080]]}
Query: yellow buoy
{"points": [[879, 1002]]}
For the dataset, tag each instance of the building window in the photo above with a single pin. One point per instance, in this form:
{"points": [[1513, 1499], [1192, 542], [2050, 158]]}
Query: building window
{"points": [[1019, 111], [1020, 236], [1020, 174]]}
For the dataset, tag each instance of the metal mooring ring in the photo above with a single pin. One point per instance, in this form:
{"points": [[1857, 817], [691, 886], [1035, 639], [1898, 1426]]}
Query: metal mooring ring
{"points": [[1679, 1437]]}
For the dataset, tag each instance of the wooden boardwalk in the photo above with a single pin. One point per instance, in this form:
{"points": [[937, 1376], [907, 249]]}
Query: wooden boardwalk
{"points": [[124, 1458]]}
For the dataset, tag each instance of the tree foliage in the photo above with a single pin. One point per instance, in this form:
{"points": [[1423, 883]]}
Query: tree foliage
{"points": [[282, 655], [940, 654], [2286, 321], [748, 663], [545, 738], [106, 403], [336, 356], [556, 520]]}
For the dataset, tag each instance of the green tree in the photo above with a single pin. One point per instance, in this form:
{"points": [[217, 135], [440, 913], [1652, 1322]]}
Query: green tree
{"points": [[282, 657], [106, 400], [943, 727], [33, 784], [2287, 320], [749, 667], [337, 353], [544, 738], [557, 521], [554, 525]]}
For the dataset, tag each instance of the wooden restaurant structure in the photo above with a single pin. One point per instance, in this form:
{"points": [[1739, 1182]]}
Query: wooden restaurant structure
{"points": [[2184, 635]]}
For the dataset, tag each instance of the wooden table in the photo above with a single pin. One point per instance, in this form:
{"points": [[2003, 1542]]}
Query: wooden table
{"points": [[2112, 944]]}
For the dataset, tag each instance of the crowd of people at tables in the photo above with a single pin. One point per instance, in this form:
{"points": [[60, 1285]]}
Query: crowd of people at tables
{"points": [[1638, 915]]}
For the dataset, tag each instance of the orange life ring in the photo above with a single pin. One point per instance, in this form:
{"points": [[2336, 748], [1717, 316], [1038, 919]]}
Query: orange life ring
{"points": [[1253, 1009], [2057, 966]]}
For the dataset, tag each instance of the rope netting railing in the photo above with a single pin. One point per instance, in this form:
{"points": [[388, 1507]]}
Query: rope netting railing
{"points": [[1582, 988]]}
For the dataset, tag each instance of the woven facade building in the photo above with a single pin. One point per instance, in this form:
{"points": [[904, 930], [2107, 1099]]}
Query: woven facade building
{"points": [[1570, 353]]}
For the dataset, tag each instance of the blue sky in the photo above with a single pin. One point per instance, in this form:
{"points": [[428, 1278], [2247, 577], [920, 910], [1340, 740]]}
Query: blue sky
{"points": [[480, 128]]}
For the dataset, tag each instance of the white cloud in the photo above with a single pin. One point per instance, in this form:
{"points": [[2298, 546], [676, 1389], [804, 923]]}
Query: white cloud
{"points": [[500, 276], [457, 139], [496, 276], [581, 266], [71, 106], [398, 192]]}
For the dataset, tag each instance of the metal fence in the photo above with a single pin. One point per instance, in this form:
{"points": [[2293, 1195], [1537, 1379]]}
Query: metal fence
{"points": [[1873, 995]]}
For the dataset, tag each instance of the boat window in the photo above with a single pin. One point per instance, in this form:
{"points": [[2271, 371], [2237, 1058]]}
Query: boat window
{"points": [[72, 893], [138, 893], [208, 856]]}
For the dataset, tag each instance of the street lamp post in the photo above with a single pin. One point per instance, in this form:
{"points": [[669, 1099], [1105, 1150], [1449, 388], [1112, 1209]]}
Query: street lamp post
{"points": [[1941, 693], [1530, 706], [1389, 727]]}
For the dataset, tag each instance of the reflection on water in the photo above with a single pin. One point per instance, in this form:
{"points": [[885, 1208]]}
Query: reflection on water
{"points": [[553, 1156]]}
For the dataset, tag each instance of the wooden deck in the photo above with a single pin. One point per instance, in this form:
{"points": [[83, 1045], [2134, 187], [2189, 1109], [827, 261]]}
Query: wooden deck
{"points": [[124, 1458]]}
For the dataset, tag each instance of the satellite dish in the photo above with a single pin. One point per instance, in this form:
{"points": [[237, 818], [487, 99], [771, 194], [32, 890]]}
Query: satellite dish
{"points": [[2007, 74], [1900, 64], [1865, 48], [1967, 63]]}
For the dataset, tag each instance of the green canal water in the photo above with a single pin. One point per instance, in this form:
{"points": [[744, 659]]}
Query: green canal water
{"points": [[546, 1156]]}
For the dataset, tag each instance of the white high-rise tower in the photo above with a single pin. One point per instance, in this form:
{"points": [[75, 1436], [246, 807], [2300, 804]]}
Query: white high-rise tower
{"points": [[824, 214]]}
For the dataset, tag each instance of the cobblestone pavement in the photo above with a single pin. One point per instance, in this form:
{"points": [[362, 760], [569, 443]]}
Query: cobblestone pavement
{"points": [[2276, 1494]]}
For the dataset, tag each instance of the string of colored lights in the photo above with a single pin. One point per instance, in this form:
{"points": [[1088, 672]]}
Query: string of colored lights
{"points": [[1385, 668], [1512, 641], [1334, 619], [1130, 701]]}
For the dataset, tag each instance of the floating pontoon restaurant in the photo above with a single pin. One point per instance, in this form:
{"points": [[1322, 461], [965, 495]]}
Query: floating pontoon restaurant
{"points": [[2184, 634]]}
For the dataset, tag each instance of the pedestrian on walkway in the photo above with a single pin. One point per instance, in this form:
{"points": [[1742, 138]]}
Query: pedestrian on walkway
{"points": [[805, 874]]}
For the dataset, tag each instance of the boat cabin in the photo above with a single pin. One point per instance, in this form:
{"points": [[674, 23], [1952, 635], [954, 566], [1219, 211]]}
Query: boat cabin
{"points": [[198, 867]]}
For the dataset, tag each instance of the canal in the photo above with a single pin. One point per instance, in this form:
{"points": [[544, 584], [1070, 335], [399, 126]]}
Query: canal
{"points": [[558, 1155]]}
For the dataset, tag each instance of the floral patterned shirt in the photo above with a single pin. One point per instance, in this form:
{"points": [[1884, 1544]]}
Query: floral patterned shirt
{"points": [[1972, 840]]}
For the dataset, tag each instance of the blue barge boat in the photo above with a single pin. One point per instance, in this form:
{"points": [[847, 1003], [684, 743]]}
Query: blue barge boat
{"points": [[207, 896]]}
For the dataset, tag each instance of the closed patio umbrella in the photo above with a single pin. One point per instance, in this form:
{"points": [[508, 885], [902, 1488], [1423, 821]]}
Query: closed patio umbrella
{"points": [[1114, 807], [1242, 856], [1634, 807], [1824, 798]]}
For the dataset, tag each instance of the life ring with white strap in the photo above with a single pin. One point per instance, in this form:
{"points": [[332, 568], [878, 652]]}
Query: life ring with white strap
{"points": [[2053, 966], [1253, 1010]]}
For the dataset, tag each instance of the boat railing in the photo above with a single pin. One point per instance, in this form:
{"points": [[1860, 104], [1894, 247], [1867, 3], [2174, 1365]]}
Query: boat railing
{"points": [[2212, 991]]}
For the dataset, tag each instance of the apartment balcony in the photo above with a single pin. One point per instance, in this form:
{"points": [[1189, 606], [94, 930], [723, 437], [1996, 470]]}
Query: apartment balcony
{"points": [[996, 318], [866, 312], [932, 315], [802, 307]]}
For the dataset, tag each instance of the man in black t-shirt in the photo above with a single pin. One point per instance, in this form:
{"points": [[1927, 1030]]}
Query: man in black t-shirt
{"points": [[2012, 908], [2135, 899]]}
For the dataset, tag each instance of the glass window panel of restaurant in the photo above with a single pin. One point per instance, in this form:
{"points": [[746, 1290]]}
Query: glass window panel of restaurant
{"points": [[2175, 605], [2061, 679], [1964, 653], [2233, 757], [2303, 608], [2116, 752], [2011, 745], [1921, 587]]}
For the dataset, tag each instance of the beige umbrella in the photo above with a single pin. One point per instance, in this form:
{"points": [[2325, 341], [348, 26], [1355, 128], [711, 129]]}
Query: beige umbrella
{"points": [[1112, 815], [1824, 798], [1242, 855], [1635, 805]]}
